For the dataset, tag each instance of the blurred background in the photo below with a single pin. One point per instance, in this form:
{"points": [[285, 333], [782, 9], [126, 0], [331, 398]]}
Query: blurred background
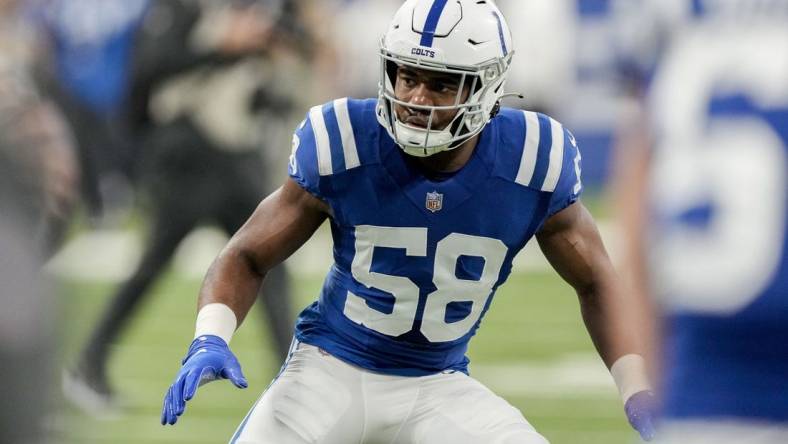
{"points": [[136, 135]]}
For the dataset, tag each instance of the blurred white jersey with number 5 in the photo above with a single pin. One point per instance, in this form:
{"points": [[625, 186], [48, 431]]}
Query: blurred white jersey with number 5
{"points": [[718, 104]]}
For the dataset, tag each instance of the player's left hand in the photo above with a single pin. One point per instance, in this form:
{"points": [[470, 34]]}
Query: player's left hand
{"points": [[641, 410], [209, 358]]}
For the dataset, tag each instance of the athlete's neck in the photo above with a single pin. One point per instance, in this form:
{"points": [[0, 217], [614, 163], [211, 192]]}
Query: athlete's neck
{"points": [[449, 161]]}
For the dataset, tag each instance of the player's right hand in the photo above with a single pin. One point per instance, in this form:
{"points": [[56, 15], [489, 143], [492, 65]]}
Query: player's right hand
{"points": [[641, 410], [209, 358]]}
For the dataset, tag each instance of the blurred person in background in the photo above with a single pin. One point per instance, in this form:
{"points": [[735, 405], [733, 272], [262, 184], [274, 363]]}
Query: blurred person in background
{"points": [[87, 69], [702, 188], [204, 112], [430, 189], [39, 177], [51, 172]]}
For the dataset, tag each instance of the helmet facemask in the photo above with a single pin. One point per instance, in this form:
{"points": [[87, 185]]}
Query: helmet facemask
{"points": [[484, 84]]}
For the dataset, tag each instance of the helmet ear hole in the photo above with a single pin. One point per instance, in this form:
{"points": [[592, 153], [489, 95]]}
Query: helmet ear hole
{"points": [[495, 109], [391, 72]]}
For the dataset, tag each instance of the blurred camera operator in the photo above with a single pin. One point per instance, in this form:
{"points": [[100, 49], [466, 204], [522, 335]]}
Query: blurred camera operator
{"points": [[203, 114]]}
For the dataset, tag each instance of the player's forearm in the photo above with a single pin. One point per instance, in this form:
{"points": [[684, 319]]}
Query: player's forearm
{"points": [[609, 317], [278, 227], [232, 280], [613, 320]]}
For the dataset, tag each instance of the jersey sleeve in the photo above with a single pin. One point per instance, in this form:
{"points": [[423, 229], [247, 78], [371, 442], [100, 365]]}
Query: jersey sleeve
{"points": [[569, 185], [304, 166], [326, 146], [549, 161]]}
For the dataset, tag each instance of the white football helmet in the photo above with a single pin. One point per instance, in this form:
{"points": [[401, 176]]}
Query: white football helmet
{"points": [[468, 38]]}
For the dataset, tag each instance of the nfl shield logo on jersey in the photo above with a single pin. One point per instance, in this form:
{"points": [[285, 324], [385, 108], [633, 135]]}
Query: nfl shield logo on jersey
{"points": [[434, 201]]}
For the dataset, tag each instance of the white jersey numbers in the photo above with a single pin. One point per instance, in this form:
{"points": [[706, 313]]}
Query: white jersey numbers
{"points": [[450, 288], [405, 292]]}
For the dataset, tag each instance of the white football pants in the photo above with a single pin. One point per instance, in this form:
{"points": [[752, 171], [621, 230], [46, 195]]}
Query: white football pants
{"points": [[319, 399]]}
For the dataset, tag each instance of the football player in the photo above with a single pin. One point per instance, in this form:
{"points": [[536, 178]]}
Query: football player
{"points": [[430, 190], [707, 218]]}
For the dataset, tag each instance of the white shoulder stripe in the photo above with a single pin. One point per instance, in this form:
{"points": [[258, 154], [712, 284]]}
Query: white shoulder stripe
{"points": [[346, 132], [321, 141], [556, 157], [530, 149]]}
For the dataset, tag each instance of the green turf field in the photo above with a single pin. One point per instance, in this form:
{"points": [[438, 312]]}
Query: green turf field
{"points": [[532, 349]]}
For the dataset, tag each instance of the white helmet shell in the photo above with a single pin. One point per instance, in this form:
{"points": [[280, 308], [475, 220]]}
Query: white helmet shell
{"points": [[469, 38]]}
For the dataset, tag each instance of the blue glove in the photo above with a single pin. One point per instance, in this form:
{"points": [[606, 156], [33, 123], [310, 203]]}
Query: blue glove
{"points": [[641, 410], [209, 358]]}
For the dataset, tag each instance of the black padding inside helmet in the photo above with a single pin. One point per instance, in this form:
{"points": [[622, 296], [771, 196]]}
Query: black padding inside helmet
{"points": [[391, 71]]}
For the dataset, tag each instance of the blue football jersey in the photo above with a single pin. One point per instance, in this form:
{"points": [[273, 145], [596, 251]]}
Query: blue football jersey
{"points": [[719, 193], [417, 261]]}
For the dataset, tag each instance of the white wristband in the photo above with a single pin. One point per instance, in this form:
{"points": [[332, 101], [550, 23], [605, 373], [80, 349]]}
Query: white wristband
{"points": [[216, 319], [629, 373]]}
